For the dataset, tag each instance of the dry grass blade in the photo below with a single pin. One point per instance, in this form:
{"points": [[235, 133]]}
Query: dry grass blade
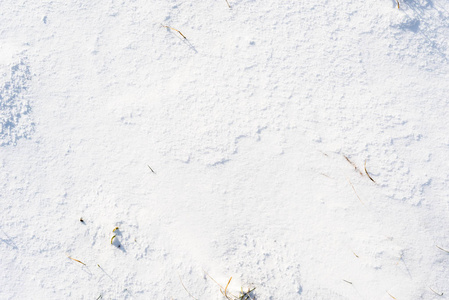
{"points": [[149, 165], [186, 288], [74, 259], [353, 164], [397, 1], [442, 248], [355, 191], [391, 296], [367, 174], [246, 295], [439, 294], [227, 2], [176, 31], [226, 288], [212, 279]]}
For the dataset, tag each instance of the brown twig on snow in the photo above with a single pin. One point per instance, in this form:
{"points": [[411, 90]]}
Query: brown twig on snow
{"points": [[76, 260], [353, 164], [174, 30], [225, 289], [228, 4], [397, 1], [347, 281], [368, 173], [151, 169]]}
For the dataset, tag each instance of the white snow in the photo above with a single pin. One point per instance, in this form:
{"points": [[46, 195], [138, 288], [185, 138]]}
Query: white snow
{"points": [[246, 124]]}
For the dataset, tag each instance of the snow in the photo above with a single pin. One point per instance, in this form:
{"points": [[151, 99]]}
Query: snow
{"points": [[252, 125]]}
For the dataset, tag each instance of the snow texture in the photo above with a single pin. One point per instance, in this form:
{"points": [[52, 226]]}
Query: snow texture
{"points": [[15, 121], [241, 150]]}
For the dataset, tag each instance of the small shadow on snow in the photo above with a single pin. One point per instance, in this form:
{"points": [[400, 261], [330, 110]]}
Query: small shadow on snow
{"points": [[419, 5], [9, 241], [116, 242], [220, 162], [411, 24]]}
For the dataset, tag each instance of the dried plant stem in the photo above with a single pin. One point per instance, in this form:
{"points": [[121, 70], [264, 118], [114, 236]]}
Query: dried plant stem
{"points": [[368, 174], [176, 31], [225, 290], [246, 296], [76, 260], [442, 248], [355, 190], [439, 294], [186, 288], [397, 1], [212, 279], [221, 287], [391, 295], [353, 164]]}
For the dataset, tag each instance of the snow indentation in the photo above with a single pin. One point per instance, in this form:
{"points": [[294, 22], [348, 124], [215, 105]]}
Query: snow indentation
{"points": [[15, 118]]}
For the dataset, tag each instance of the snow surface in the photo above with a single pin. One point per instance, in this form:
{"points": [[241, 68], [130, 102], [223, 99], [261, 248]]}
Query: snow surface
{"points": [[246, 124]]}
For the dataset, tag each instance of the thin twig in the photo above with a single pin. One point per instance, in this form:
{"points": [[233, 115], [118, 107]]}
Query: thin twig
{"points": [[439, 294], [151, 169], [442, 248], [76, 260], [221, 287], [347, 281], [174, 30], [247, 295], [186, 288], [355, 190], [354, 165], [397, 1], [355, 254], [228, 4], [368, 174], [391, 295]]}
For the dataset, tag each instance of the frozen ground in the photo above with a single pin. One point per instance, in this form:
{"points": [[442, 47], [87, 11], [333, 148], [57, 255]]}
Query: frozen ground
{"points": [[246, 125]]}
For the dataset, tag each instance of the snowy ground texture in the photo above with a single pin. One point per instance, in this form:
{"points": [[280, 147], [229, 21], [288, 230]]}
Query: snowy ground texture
{"points": [[258, 127]]}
